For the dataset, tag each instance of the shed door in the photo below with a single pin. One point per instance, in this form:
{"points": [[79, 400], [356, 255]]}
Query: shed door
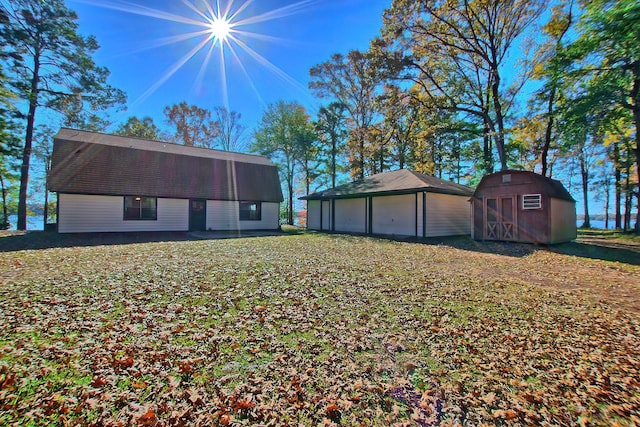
{"points": [[500, 218]]}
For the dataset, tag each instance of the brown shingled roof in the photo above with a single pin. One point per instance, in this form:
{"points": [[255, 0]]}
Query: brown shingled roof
{"points": [[396, 182], [96, 163]]}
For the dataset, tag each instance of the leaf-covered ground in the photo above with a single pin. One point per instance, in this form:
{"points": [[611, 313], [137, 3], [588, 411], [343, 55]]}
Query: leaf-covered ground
{"points": [[313, 329]]}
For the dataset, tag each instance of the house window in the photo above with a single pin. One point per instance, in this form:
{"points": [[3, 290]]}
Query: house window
{"points": [[532, 201], [140, 208], [250, 211]]}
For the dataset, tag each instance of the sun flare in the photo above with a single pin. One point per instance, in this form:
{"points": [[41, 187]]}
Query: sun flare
{"points": [[220, 28]]}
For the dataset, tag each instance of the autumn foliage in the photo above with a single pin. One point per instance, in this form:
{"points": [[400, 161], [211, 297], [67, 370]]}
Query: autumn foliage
{"points": [[317, 330]]}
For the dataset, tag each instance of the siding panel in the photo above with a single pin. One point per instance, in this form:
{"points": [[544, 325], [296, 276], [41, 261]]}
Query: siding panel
{"points": [[563, 220], [394, 215], [447, 215], [313, 214], [351, 215], [223, 215], [326, 215], [80, 213]]}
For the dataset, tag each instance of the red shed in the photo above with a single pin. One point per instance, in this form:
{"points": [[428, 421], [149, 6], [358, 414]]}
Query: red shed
{"points": [[520, 206]]}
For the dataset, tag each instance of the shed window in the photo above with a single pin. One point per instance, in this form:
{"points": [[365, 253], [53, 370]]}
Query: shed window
{"points": [[140, 208], [532, 201], [250, 211]]}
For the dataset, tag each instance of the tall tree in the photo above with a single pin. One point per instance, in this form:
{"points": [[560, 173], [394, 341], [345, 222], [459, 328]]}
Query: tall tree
{"points": [[9, 147], [308, 150], [136, 128], [607, 48], [230, 130], [193, 125], [9, 155], [278, 137], [555, 64], [353, 81], [331, 131], [51, 66], [457, 52], [43, 150]]}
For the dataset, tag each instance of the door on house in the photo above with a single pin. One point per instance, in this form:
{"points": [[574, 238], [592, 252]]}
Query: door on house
{"points": [[197, 215], [500, 217]]}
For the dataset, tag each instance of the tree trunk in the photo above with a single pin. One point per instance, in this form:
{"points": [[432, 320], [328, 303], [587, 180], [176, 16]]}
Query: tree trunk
{"points": [[497, 105], [487, 149], [618, 190], [547, 132], [4, 225], [290, 191], [606, 205], [28, 143], [45, 212], [333, 161], [628, 201], [585, 193]]}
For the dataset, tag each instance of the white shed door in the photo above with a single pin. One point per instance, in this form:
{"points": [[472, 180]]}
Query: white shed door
{"points": [[394, 215], [351, 215]]}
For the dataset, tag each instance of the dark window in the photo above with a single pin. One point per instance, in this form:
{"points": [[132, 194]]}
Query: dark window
{"points": [[136, 208], [250, 211]]}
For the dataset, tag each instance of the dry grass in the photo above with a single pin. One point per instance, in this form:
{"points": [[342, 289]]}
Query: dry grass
{"points": [[313, 329]]}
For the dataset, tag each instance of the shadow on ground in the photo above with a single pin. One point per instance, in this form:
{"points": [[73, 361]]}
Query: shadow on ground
{"points": [[32, 240], [588, 245], [594, 245]]}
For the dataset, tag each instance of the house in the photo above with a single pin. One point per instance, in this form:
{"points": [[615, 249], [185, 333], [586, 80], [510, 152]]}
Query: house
{"points": [[113, 183], [401, 203], [520, 206]]}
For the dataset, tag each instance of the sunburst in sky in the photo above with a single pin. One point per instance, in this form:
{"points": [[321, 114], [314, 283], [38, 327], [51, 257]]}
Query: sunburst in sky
{"points": [[220, 29]]}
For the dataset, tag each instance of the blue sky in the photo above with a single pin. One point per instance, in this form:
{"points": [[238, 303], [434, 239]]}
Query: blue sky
{"points": [[298, 37]]}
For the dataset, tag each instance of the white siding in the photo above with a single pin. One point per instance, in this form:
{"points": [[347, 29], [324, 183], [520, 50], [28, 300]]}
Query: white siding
{"points": [[351, 215], [420, 216], [394, 215], [225, 215], [563, 221], [326, 215], [79, 213], [447, 215], [313, 214]]}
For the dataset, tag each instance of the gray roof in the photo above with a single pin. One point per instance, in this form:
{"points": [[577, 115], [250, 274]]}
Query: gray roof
{"points": [[95, 163], [402, 181]]}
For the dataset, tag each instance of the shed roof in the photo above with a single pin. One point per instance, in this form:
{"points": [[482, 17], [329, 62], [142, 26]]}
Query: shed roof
{"points": [[396, 182], [524, 182], [95, 163]]}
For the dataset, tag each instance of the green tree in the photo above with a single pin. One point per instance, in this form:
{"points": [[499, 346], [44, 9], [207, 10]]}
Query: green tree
{"points": [[353, 81], [43, 150], [308, 150], [607, 53], [278, 137], [9, 148], [52, 67], [553, 65], [456, 52], [331, 130], [9, 154], [193, 125], [136, 128]]}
